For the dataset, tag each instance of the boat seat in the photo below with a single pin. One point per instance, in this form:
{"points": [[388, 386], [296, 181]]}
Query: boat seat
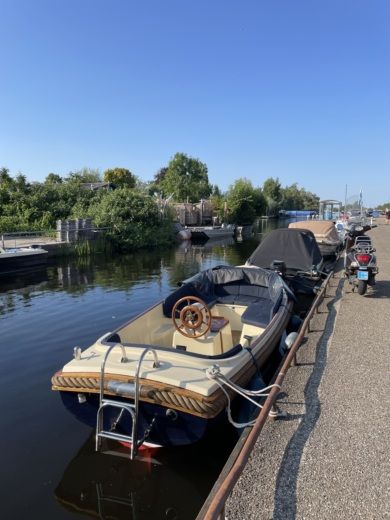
{"points": [[259, 313], [239, 293], [217, 323], [237, 300]]}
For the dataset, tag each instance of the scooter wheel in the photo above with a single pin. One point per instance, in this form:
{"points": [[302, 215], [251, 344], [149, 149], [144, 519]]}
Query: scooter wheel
{"points": [[362, 287]]}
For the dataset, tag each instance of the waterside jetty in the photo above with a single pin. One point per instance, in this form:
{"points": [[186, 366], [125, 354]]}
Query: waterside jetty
{"points": [[328, 458]]}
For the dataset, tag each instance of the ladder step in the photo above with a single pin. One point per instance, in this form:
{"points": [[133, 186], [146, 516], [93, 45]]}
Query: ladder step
{"points": [[130, 390], [114, 436], [117, 404]]}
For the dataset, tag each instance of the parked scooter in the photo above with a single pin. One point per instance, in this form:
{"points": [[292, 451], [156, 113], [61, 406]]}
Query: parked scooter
{"points": [[359, 260]]}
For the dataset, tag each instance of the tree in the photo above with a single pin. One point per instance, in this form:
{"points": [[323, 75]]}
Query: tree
{"points": [[5, 177], [272, 191], [84, 175], [244, 202], [133, 218], [215, 191], [186, 178], [309, 200], [120, 177], [155, 186], [260, 202], [53, 178], [20, 182], [292, 197], [160, 175]]}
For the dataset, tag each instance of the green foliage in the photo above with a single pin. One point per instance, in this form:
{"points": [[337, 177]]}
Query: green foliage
{"points": [[160, 175], [5, 178], [218, 205], [309, 200], [53, 178], [20, 183], [133, 219], [244, 202], [84, 175], [294, 197], [215, 191], [38, 206], [10, 224], [272, 191], [120, 177], [156, 186], [260, 202], [185, 178]]}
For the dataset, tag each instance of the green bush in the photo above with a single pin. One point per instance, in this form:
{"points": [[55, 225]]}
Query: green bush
{"points": [[132, 219]]}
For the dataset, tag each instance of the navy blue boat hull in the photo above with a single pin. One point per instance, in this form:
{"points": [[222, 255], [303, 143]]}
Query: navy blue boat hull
{"points": [[174, 428]]}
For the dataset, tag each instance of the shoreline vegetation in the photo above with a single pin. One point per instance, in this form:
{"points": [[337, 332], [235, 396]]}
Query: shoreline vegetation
{"points": [[137, 214]]}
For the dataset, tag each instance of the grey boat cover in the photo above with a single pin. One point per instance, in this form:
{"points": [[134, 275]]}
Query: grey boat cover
{"points": [[297, 248]]}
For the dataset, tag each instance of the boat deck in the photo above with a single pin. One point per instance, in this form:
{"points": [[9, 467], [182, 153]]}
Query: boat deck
{"points": [[329, 458]]}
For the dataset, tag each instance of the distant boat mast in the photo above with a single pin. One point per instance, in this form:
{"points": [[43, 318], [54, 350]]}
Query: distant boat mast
{"points": [[345, 198]]}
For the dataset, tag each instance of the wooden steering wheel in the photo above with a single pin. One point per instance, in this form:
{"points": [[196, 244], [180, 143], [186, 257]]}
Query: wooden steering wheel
{"points": [[194, 319]]}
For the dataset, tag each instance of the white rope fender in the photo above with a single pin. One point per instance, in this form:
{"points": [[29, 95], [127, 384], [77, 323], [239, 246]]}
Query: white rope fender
{"points": [[214, 373]]}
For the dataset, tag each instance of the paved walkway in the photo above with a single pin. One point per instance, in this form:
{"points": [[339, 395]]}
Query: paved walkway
{"points": [[330, 458], [27, 241]]}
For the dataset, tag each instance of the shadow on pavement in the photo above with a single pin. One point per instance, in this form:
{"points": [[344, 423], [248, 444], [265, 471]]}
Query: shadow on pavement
{"points": [[285, 499], [380, 290]]}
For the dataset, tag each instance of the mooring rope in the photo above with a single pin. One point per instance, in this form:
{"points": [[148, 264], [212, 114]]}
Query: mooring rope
{"points": [[215, 374]]}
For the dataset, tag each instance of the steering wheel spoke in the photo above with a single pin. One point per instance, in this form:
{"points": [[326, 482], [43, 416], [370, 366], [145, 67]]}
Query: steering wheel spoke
{"points": [[191, 319]]}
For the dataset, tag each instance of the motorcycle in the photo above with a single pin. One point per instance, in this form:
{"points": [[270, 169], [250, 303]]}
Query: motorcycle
{"points": [[359, 261]]}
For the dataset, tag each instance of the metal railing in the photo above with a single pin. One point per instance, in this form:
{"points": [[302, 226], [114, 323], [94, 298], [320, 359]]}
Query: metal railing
{"points": [[214, 506], [22, 235], [46, 234]]}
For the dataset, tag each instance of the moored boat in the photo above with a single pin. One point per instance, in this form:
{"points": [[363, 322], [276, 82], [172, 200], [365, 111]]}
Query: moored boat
{"points": [[326, 235], [207, 232], [295, 255], [160, 377], [17, 258]]}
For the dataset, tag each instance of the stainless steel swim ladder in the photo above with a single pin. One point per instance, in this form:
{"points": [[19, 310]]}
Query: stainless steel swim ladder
{"points": [[131, 390]]}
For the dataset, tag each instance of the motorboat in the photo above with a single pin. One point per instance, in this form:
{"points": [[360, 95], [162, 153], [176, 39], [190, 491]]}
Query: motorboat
{"points": [[160, 378], [203, 233], [15, 258], [326, 235], [295, 255]]}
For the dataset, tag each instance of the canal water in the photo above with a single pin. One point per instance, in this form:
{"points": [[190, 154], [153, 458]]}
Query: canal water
{"points": [[49, 469]]}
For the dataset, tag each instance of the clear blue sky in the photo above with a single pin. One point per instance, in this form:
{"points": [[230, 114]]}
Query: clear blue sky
{"points": [[295, 89]]}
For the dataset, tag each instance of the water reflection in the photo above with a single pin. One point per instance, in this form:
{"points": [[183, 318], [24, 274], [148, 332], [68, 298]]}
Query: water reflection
{"points": [[77, 276], [166, 484], [166, 268]]}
